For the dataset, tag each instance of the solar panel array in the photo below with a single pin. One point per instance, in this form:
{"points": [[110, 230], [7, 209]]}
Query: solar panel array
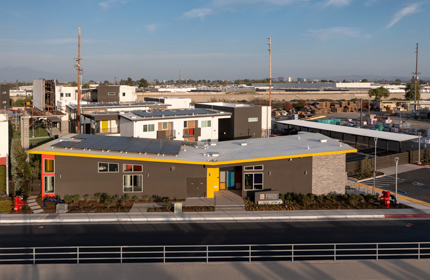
{"points": [[197, 111], [122, 144]]}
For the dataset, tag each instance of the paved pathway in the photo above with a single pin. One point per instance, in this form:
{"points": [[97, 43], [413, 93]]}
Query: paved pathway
{"points": [[34, 206]]}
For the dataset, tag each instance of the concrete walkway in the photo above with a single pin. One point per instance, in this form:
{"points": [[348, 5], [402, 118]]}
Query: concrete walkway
{"points": [[342, 270]]}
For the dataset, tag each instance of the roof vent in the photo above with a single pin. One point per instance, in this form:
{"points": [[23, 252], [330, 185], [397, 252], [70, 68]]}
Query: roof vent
{"points": [[323, 140], [214, 154], [213, 144], [244, 144]]}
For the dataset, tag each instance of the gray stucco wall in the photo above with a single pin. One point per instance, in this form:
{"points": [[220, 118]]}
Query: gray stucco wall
{"points": [[328, 174]]}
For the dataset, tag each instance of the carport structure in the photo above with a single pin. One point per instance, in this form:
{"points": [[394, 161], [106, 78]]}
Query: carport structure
{"points": [[389, 141]]}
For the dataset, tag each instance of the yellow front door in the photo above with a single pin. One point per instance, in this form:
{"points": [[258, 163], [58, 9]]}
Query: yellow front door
{"points": [[212, 182], [105, 126]]}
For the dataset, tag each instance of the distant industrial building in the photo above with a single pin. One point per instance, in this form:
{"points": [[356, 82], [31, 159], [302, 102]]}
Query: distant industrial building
{"points": [[44, 94], [111, 93]]}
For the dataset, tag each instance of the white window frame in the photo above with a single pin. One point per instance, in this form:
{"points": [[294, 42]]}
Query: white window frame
{"points": [[132, 168], [164, 123], [44, 165], [108, 166], [253, 168], [253, 181], [254, 119], [68, 94], [148, 127], [44, 184], [207, 123], [132, 183]]}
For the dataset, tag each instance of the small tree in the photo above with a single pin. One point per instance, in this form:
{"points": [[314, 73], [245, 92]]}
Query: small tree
{"points": [[142, 83], [378, 93], [410, 90]]}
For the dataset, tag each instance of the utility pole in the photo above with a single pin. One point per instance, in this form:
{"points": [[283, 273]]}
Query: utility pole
{"points": [[416, 80], [269, 117], [78, 67], [180, 76]]}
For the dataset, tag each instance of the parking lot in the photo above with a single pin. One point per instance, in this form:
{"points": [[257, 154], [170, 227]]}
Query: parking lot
{"points": [[414, 184]]}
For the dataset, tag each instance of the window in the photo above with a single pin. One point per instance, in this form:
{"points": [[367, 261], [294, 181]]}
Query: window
{"points": [[165, 125], [253, 168], [61, 94], [123, 94], [132, 168], [111, 93], [253, 181], [4, 102], [68, 94], [49, 165], [3, 92], [108, 167], [133, 183], [252, 119], [148, 127], [206, 123], [185, 124], [49, 184]]}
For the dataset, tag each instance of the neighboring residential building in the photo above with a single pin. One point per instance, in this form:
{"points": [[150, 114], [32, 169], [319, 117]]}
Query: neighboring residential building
{"points": [[4, 96], [247, 121], [104, 117], [114, 94], [174, 103], [180, 124], [4, 139], [65, 94], [87, 164]]}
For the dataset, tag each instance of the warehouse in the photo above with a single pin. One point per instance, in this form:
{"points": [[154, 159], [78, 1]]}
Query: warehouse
{"points": [[87, 164]]}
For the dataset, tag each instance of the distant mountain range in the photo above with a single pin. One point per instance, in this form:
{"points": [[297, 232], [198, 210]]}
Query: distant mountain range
{"points": [[368, 77], [26, 74]]}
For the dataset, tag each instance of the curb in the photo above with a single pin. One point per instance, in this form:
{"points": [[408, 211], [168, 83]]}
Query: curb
{"points": [[197, 219]]}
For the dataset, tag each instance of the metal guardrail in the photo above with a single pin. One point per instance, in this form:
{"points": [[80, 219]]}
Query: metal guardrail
{"points": [[215, 253]]}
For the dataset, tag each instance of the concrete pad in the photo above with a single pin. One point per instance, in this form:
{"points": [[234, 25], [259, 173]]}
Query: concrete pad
{"points": [[396, 269], [37, 211], [31, 200], [33, 204]]}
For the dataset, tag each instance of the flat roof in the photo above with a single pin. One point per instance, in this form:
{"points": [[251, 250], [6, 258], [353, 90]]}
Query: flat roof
{"points": [[117, 105], [225, 152], [173, 113], [390, 136], [225, 104]]}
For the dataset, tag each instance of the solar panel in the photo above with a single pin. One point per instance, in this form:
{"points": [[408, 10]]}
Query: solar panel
{"points": [[156, 146], [65, 144], [197, 111], [172, 148], [123, 144], [139, 146]]}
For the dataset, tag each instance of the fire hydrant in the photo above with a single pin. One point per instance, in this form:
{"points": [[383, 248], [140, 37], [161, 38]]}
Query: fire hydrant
{"points": [[386, 198], [18, 203]]}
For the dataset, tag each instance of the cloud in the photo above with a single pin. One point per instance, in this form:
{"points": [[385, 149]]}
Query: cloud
{"points": [[108, 4], [231, 5], [409, 10], [151, 27], [197, 13], [335, 32], [338, 3]]}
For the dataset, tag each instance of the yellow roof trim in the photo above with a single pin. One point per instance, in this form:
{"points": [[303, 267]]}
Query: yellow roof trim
{"points": [[187, 162]]}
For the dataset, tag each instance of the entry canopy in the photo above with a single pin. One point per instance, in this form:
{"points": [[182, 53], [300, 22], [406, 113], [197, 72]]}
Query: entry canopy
{"points": [[389, 136]]}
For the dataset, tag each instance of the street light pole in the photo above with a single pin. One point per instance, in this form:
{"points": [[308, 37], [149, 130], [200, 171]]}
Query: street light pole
{"points": [[374, 167], [396, 159], [419, 147]]}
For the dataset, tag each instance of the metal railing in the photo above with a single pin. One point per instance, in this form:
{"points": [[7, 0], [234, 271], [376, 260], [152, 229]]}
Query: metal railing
{"points": [[215, 253]]}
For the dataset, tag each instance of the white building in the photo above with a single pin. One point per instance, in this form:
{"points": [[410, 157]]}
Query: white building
{"points": [[186, 124]]}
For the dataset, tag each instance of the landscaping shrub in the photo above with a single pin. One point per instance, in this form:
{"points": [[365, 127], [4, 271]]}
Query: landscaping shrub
{"points": [[135, 198], [68, 198], [76, 198], [87, 197], [6, 206], [126, 197], [98, 196]]}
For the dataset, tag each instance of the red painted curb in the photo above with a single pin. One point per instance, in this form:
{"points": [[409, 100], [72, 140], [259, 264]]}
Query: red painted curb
{"points": [[408, 216]]}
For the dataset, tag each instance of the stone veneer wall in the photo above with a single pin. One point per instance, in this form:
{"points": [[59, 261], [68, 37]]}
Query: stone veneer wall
{"points": [[328, 174]]}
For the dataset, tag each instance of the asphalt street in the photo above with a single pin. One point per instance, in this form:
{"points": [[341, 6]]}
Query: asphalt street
{"points": [[216, 233]]}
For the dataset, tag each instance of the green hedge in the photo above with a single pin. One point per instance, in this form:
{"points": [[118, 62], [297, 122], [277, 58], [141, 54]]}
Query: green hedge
{"points": [[2, 179], [6, 206]]}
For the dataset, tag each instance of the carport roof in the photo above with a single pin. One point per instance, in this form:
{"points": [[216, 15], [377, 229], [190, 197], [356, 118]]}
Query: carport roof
{"points": [[390, 136]]}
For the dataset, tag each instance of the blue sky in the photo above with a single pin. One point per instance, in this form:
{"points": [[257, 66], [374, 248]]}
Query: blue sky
{"points": [[216, 39]]}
